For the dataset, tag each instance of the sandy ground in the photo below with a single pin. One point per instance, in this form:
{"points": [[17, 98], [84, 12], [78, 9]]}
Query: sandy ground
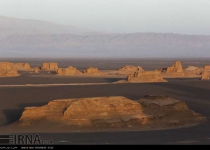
{"points": [[193, 91]]}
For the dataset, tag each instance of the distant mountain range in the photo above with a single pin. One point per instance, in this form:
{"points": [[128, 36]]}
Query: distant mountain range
{"points": [[32, 38]]}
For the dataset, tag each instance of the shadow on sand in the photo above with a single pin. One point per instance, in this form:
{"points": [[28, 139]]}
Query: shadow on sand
{"points": [[13, 115]]}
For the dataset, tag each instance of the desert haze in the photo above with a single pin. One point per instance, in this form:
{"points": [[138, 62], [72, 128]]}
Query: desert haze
{"points": [[33, 38]]}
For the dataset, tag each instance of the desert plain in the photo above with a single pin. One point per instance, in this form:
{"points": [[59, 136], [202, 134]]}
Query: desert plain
{"points": [[38, 86]]}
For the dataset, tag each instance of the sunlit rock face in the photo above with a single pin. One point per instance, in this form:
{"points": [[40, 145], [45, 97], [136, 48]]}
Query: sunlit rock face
{"points": [[49, 66], [7, 70], [68, 71]]}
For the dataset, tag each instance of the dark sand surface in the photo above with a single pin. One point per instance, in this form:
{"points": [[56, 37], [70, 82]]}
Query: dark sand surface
{"points": [[194, 92]]}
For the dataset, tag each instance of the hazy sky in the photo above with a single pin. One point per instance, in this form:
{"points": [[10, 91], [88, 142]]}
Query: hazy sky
{"points": [[174, 16]]}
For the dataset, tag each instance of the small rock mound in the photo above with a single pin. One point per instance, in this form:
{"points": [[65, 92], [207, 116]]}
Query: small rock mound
{"points": [[49, 66], [93, 71], [68, 71], [36, 69], [7, 70], [131, 68], [146, 76], [22, 66]]}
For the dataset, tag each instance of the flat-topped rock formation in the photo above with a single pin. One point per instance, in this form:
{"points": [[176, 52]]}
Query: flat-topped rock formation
{"points": [[7, 70], [130, 68], [93, 71], [205, 75], [126, 70], [68, 71], [143, 77], [22, 66], [49, 66], [104, 114], [146, 76]]}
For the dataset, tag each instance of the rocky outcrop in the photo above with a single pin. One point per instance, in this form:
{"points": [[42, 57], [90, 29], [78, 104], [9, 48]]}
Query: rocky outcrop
{"points": [[206, 67], [68, 71], [35, 69], [205, 75], [97, 111], [7, 70], [49, 66], [176, 68], [93, 71], [175, 71], [130, 68], [193, 70], [146, 76], [22, 66], [105, 114]]}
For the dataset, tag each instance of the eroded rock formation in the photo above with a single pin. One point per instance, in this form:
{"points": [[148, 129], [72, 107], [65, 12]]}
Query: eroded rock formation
{"points": [[131, 68], [146, 76], [193, 70], [206, 67], [7, 70], [176, 68], [22, 66], [205, 75], [68, 71], [49, 66], [106, 113], [93, 71]]}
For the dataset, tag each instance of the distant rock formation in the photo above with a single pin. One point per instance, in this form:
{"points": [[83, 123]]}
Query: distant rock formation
{"points": [[36, 69], [205, 75], [176, 68], [206, 67], [105, 114], [49, 66], [146, 76], [68, 71], [93, 71], [22, 66], [194, 70], [7, 70], [131, 68]]}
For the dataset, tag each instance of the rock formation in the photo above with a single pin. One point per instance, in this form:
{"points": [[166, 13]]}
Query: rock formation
{"points": [[22, 66], [93, 71], [146, 76], [205, 75], [68, 71], [7, 70], [176, 68], [49, 66], [193, 70], [131, 68], [174, 71], [126, 70], [206, 67], [98, 111], [36, 69], [105, 114]]}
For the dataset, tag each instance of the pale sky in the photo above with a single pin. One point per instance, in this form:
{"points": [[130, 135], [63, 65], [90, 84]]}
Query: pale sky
{"points": [[121, 16]]}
